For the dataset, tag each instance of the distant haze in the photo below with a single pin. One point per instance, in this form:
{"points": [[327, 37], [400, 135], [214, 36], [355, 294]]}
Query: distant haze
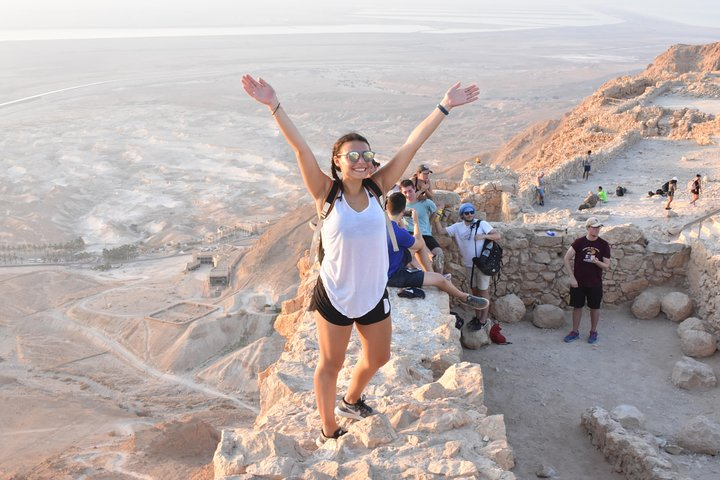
{"points": [[125, 14]]}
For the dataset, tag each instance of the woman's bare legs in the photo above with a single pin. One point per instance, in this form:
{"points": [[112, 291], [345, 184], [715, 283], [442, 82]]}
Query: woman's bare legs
{"points": [[375, 341], [333, 341]]}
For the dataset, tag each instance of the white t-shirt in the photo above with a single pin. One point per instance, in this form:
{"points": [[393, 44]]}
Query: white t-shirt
{"points": [[465, 239], [355, 267]]}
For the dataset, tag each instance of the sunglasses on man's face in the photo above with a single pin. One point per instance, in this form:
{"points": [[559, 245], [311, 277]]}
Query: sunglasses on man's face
{"points": [[469, 212], [354, 156]]}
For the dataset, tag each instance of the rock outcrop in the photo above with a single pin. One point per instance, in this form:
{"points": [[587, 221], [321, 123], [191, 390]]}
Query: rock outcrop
{"points": [[430, 420]]}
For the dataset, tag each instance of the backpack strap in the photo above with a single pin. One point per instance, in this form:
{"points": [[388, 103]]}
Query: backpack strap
{"points": [[330, 200], [375, 191]]}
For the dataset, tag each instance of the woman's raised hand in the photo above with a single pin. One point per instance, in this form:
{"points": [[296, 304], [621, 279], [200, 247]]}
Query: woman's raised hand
{"points": [[260, 90], [457, 95]]}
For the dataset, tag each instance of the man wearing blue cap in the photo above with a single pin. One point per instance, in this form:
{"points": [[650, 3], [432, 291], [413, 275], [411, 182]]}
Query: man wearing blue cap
{"points": [[470, 234]]}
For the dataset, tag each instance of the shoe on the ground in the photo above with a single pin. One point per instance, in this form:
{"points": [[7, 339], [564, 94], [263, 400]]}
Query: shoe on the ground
{"points": [[475, 324], [593, 337], [356, 411], [320, 441], [478, 303], [572, 336]]}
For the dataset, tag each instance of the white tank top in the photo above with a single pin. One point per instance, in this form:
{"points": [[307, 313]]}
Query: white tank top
{"points": [[354, 269]]}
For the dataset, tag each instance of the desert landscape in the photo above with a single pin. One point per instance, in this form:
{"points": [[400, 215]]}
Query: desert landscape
{"points": [[150, 141]]}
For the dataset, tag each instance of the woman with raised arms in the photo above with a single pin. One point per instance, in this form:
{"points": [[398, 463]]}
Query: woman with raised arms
{"points": [[353, 274]]}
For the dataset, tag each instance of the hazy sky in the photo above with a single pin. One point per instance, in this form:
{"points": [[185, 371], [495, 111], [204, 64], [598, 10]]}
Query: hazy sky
{"points": [[43, 14]]}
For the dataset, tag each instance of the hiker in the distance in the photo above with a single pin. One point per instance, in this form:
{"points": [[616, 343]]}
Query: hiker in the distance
{"points": [[351, 287], [672, 187], [587, 162], [695, 188], [540, 186]]}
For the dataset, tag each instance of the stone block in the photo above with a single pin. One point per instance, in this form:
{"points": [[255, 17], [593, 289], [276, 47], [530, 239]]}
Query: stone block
{"points": [[677, 306], [701, 435], [691, 375], [695, 343], [646, 306], [548, 316], [508, 309], [628, 416]]}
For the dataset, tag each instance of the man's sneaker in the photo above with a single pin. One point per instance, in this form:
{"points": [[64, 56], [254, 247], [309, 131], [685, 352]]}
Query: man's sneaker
{"points": [[475, 324], [572, 336], [478, 303], [356, 411], [593, 337], [320, 441]]}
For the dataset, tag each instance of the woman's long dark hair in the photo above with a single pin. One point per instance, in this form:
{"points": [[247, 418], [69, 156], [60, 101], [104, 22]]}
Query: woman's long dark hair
{"points": [[348, 137]]}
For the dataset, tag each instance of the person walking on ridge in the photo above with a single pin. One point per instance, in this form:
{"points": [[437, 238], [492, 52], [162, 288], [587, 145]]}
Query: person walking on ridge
{"points": [[587, 162], [672, 187], [351, 288], [591, 256], [695, 188]]}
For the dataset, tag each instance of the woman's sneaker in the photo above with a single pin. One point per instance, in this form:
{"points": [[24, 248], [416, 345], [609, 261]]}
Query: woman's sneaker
{"points": [[320, 441], [356, 411]]}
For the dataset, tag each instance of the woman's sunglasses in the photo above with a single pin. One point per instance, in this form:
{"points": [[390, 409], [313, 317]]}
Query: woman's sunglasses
{"points": [[353, 157], [469, 212]]}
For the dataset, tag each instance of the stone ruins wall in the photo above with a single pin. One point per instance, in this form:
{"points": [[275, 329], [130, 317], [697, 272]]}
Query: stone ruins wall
{"points": [[703, 278]]}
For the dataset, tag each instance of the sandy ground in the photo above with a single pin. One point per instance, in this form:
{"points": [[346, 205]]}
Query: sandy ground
{"points": [[542, 386]]}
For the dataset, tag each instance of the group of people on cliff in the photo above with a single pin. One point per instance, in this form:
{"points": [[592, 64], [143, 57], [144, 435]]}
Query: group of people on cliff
{"points": [[366, 248]]}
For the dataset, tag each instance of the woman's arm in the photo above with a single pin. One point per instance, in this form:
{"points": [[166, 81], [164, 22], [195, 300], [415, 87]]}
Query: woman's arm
{"points": [[454, 97], [316, 181]]}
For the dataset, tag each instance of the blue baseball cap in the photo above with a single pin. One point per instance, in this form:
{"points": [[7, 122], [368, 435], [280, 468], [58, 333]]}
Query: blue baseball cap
{"points": [[466, 207]]}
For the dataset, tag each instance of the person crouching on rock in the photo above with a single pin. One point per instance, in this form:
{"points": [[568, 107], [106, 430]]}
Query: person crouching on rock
{"points": [[589, 202], [353, 274]]}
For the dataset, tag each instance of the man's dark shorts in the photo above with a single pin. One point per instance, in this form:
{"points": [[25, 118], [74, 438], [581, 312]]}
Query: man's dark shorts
{"points": [[431, 243], [324, 307], [407, 277], [579, 295]]}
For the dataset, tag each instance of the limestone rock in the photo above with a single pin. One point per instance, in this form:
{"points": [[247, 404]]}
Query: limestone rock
{"points": [[634, 454], [701, 435], [691, 374], [692, 323], [464, 380], [695, 343], [548, 316], [474, 339], [628, 416], [374, 431], [508, 309], [545, 471], [677, 306], [646, 306]]}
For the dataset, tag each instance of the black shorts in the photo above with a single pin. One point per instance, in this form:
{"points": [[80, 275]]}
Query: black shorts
{"points": [[321, 303], [587, 168], [407, 277], [431, 243], [593, 295]]}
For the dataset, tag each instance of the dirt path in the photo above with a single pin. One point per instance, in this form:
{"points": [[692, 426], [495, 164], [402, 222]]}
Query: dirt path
{"points": [[542, 385]]}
